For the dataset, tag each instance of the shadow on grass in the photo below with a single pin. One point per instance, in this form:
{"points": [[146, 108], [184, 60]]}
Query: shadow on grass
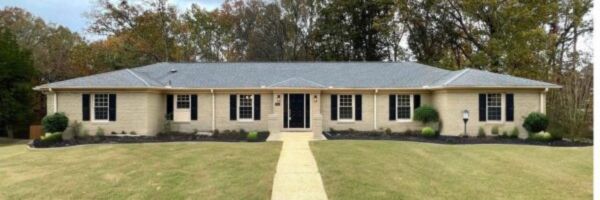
{"points": [[4, 142]]}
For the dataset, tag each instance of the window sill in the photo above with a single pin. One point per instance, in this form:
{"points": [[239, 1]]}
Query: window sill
{"points": [[404, 120], [494, 122], [346, 121], [181, 122], [245, 120], [100, 122]]}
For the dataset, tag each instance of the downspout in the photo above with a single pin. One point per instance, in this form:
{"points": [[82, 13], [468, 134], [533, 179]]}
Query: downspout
{"points": [[213, 108], [375, 110]]}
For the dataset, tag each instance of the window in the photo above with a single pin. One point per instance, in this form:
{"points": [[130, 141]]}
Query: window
{"points": [[246, 111], [101, 107], [404, 107], [183, 101], [345, 107], [494, 107]]}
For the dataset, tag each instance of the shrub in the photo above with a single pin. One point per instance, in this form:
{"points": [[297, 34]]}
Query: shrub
{"points": [[215, 133], [52, 138], [263, 135], [541, 137], [123, 133], [113, 133], [252, 136], [56, 122], [100, 132], [504, 134], [132, 133], [481, 132], [514, 133], [495, 130], [72, 131], [426, 114], [388, 131], [535, 122], [428, 132]]}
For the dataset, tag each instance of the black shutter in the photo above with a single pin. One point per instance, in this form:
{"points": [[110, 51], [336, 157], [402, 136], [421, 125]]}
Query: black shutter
{"points": [[112, 109], [85, 107], [194, 107], [232, 107], [169, 107], [392, 107], [257, 107], [307, 111], [334, 103], [286, 119], [510, 107], [417, 99], [482, 107], [358, 109]]}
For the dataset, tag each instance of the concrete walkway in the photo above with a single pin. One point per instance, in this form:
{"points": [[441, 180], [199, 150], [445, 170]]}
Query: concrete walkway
{"points": [[297, 175]]}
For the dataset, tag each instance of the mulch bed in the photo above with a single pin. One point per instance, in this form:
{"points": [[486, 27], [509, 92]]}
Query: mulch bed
{"points": [[128, 139], [446, 139]]}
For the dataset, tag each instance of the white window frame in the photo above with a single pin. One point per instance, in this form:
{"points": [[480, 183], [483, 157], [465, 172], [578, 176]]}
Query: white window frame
{"points": [[339, 101], [412, 107], [189, 101], [239, 110], [487, 108], [93, 108]]}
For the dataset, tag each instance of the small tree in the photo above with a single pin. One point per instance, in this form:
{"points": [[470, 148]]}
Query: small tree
{"points": [[56, 122], [535, 122], [426, 114]]}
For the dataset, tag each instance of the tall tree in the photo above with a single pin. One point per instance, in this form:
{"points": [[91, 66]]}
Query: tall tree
{"points": [[16, 74]]}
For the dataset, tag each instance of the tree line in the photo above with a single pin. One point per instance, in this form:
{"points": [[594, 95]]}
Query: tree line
{"points": [[535, 39]]}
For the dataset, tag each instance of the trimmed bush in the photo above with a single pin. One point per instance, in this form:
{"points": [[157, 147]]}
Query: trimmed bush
{"points": [[56, 122], [426, 114], [52, 138], [428, 132], [514, 133], [495, 130], [481, 132], [252, 136], [535, 122], [541, 137]]}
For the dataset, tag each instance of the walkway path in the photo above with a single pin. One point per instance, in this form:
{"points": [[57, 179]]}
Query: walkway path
{"points": [[297, 175]]}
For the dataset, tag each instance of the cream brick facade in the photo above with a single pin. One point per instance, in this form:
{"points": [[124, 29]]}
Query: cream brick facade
{"points": [[144, 111]]}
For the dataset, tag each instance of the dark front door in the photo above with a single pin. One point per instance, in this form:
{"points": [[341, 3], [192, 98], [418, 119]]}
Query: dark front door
{"points": [[296, 111]]}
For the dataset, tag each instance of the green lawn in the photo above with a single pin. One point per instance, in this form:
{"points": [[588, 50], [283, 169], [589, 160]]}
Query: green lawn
{"points": [[408, 170], [202, 170]]}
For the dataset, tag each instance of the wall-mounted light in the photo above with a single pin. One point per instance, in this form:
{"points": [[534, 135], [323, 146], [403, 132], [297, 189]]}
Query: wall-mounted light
{"points": [[315, 98], [278, 99], [465, 116]]}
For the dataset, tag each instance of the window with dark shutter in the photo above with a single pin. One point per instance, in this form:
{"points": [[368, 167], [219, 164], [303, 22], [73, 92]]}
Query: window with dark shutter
{"points": [[417, 101], [169, 114], [112, 109], [285, 111], [334, 105], [257, 107], [482, 107], [194, 107], [358, 107], [232, 107], [85, 107], [392, 107], [510, 107]]}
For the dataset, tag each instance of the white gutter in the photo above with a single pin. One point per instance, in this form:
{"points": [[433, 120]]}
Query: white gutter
{"points": [[213, 108], [375, 109]]}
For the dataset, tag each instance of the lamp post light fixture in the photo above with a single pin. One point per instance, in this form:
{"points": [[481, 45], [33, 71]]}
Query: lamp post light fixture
{"points": [[465, 116]]}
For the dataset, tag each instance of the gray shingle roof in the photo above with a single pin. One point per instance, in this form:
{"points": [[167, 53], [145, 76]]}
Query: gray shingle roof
{"points": [[295, 75]]}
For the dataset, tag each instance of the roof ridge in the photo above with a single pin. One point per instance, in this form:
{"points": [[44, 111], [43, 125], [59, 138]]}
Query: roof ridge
{"points": [[298, 78], [456, 76], [311, 81], [138, 77]]}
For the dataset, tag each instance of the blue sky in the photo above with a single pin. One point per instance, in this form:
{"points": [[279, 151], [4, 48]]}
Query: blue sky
{"points": [[70, 13]]}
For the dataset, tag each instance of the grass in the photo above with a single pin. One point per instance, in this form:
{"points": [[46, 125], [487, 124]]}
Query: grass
{"points": [[408, 170], [206, 170]]}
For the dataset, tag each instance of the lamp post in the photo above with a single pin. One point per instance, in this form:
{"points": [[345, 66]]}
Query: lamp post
{"points": [[465, 115]]}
